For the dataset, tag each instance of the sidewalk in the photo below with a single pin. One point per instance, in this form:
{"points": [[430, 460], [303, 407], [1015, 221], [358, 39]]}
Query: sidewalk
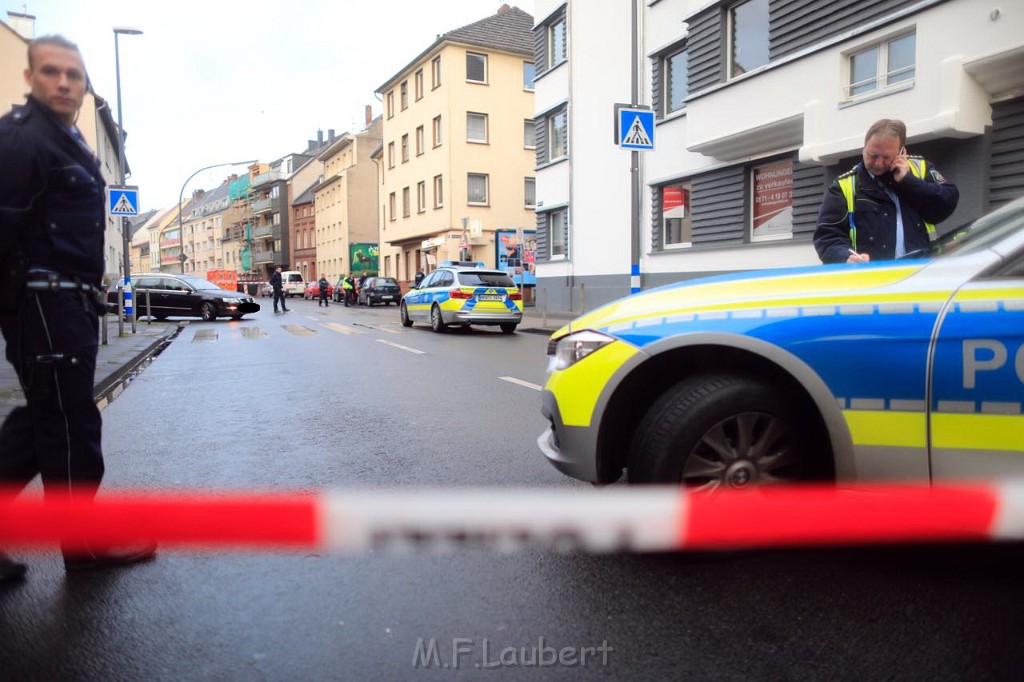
{"points": [[537, 321], [114, 361]]}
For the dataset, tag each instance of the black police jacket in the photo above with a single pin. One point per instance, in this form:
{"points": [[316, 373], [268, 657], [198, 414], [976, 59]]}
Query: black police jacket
{"points": [[51, 196], [930, 199]]}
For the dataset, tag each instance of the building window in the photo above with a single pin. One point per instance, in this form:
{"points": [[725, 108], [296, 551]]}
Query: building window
{"points": [[477, 189], [557, 225], [418, 80], [476, 67], [403, 89], [530, 192], [676, 72], [676, 222], [556, 43], [476, 127], [529, 73], [405, 202], [405, 148], [882, 65], [421, 196], [558, 136], [391, 103], [748, 36], [529, 134], [419, 140], [393, 206], [435, 72], [391, 154], [438, 192], [437, 131], [772, 204]]}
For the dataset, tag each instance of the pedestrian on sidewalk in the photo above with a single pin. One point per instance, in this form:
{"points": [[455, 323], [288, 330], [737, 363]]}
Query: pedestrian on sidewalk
{"points": [[278, 286], [323, 285], [52, 221]]}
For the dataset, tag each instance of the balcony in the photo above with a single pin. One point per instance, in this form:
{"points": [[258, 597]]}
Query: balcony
{"points": [[263, 205], [267, 178], [266, 257], [259, 231]]}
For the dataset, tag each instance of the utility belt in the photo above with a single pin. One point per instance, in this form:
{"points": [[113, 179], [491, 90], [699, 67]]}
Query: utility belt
{"points": [[47, 280]]}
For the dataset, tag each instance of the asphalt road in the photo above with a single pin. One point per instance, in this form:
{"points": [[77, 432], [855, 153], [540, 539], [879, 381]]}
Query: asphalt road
{"points": [[349, 399]]}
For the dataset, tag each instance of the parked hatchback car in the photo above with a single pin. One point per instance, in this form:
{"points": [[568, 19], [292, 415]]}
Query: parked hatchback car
{"points": [[184, 296], [312, 292], [380, 290], [908, 369], [464, 293]]}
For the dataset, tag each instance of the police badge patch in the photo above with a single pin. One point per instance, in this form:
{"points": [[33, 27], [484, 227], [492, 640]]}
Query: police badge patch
{"points": [[937, 176]]}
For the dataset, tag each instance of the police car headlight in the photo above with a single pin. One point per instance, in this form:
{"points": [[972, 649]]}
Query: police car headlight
{"points": [[571, 349]]}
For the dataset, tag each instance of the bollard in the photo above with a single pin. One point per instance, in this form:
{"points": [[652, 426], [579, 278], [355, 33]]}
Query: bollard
{"points": [[120, 312], [583, 297], [149, 310], [544, 308], [103, 326]]}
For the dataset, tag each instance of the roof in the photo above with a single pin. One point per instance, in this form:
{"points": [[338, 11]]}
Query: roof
{"points": [[510, 30], [307, 195]]}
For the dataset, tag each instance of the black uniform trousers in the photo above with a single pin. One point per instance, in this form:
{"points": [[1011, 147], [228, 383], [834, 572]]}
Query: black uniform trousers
{"points": [[52, 345], [279, 296]]}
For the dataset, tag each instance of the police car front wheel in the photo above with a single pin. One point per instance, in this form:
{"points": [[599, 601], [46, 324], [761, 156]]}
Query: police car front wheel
{"points": [[718, 432]]}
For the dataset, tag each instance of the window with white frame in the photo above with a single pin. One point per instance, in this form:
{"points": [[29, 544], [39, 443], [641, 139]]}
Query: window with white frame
{"points": [[391, 154], [529, 74], [676, 221], [437, 131], [885, 64], [435, 72], [530, 192], [476, 67], [675, 72], [748, 36], [405, 148], [476, 188], [403, 90], [406, 202], [393, 207], [771, 205], [476, 127], [421, 196], [558, 136], [438, 192], [419, 140], [529, 134], [556, 43], [391, 103], [557, 223], [418, 81]]}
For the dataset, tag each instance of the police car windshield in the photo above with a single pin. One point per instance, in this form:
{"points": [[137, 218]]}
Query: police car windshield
{"points": [[983, 232], [485, 279]]}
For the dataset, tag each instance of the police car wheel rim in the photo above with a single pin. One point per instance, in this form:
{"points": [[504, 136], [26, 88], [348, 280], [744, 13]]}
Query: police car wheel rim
{"points": [[749, 448]]}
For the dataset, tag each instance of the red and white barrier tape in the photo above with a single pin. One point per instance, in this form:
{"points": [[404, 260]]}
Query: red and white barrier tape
{"points": [[641, 519]]}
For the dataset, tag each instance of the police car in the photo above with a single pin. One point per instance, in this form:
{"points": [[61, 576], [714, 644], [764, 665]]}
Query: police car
{"points": [[909, 369], [464, 293]]}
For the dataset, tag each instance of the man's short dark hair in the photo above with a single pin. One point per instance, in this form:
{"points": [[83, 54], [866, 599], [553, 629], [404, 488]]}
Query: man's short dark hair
{"points": [[888, 127], [53, 41]]}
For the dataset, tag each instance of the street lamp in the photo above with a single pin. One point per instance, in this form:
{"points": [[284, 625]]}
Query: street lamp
{"points": [[125, 237], [181, 194]]}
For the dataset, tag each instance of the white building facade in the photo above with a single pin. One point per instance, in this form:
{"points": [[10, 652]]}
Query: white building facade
{"points": [[759, 104]]}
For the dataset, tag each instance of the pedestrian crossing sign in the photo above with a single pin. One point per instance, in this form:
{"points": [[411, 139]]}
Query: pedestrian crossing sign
{"points": [[634, 127], [123, 200]]}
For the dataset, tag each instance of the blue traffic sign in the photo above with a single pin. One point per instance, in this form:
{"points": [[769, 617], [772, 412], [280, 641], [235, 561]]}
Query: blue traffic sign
{"points": [[123, 200], [635, 128]]}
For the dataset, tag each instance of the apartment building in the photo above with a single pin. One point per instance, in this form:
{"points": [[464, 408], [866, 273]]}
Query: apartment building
{"points": [[457, 153], [203, 230], [304, 233], [754, 98], [345, 202]]}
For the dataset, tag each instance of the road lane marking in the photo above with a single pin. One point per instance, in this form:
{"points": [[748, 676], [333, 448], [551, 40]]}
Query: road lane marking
{"points": [[298, 330], [520, 382], [253, 333], [205, 335], [401, 347], [342, 329], [376, 327]]}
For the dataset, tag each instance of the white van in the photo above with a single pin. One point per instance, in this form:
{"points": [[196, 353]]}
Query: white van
{"points": [[292, 283]]}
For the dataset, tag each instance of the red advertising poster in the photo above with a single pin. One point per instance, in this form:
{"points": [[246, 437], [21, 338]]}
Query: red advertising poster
{"points": [[673, 198], [773, 200]]}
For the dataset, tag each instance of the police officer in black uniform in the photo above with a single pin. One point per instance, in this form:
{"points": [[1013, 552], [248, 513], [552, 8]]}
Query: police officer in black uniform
{"points": [[52, 217], [886, 206]]}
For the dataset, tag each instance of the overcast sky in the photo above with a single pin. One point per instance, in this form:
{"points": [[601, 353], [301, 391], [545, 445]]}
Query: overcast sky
{"points": [[212, 82]]}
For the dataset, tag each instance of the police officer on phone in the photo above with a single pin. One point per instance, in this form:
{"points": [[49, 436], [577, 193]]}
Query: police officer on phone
{"points": [[52, 221], [887, 205]]}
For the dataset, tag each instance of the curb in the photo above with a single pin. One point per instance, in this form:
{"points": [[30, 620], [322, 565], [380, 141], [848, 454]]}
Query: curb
{"points": [[111, 386]]}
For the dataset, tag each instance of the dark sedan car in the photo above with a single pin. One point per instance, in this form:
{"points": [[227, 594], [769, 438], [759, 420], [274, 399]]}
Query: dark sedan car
{"points": [[184, 296], [380, 290]]}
